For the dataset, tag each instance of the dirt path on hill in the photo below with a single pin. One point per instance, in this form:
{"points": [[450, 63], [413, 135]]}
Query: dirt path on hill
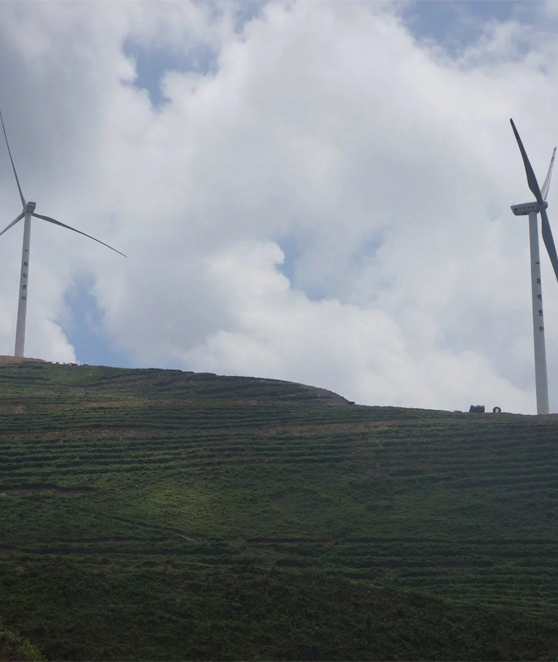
{"points": [[6, 360]]}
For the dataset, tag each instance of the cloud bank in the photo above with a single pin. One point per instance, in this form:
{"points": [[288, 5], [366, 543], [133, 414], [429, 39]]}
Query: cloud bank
{"points": [[327, 203]]}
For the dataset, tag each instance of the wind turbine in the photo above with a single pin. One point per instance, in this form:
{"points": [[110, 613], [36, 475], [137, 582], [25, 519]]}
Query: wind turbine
{"points": [[27, 212], [532, 209]]}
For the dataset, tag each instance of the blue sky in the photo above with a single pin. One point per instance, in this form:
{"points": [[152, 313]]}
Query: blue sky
{"points": [[153, 61], [454, 24], [83, 328]]}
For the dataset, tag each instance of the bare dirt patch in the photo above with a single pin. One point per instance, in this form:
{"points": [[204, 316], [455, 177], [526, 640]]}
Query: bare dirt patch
{"points": [[52, 490], [12, 409], [7, 360], [310, 429], [93, 405], [78, 434]]}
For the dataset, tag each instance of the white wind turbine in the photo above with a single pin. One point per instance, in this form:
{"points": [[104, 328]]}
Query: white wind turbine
{"points": [[532, 209], [27, 212]]}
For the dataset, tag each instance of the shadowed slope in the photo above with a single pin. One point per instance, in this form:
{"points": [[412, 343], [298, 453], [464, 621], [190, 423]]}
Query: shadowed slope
{"points": [[177, 491]]}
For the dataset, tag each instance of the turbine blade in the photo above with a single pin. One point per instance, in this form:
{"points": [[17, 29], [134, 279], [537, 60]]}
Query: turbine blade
{"points": [[11, 159], [549, 241], [13, 223], [546, 185], [52, 220], [531, 179]]}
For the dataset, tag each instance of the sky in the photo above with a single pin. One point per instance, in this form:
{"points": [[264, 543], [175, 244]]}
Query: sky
{"points": [[316, 191]]}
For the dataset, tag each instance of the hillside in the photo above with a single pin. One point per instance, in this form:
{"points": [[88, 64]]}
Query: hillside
{"points": [[150, 514]]}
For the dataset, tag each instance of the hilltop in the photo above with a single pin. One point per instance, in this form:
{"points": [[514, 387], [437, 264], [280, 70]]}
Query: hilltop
{"points": [[160, 514], [8, 360]]}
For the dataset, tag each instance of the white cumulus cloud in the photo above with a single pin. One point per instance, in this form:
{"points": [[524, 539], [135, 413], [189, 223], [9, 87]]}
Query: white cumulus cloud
{"points": [[329, 204]]}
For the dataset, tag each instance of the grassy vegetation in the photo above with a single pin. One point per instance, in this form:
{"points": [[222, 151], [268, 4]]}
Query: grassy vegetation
{"points": [[14, 648], [149, 514]]}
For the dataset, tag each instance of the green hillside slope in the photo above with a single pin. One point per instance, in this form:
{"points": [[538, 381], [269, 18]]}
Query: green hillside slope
{"points": [[147, 514]]}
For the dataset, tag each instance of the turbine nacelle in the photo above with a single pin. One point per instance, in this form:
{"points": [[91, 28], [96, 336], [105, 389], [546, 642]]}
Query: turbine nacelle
{"points": [[30, 207], [528, 207]]}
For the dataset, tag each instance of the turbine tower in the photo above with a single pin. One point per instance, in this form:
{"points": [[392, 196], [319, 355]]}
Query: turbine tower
{"points": [[27, 212], [531, 209]]}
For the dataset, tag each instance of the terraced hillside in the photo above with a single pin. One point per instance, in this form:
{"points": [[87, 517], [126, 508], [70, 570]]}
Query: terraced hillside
{"points": [[147, 514]]}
